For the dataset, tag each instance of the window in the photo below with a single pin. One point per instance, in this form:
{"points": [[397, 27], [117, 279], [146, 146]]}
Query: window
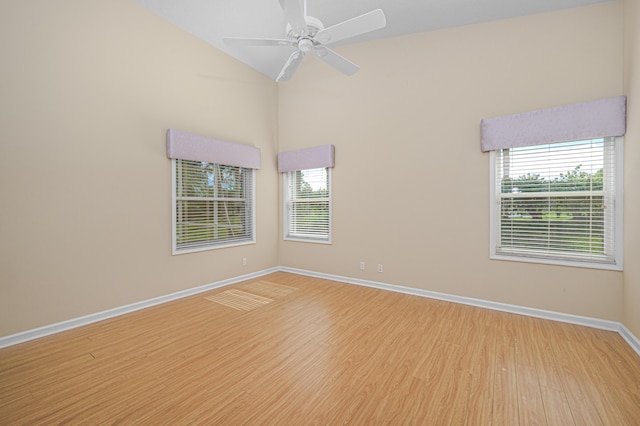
{"points": [[212, 206], [558, 203], [307, 205]]}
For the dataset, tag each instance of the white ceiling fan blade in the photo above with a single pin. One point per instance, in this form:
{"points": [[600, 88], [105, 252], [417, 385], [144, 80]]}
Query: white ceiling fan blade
{"points": [[290, 66], [294, 15], [370, 21], [243, 41], [338, 62]]}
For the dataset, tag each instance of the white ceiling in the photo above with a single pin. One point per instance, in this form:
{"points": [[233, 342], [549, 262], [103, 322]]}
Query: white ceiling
{"points": [[211, 20]]}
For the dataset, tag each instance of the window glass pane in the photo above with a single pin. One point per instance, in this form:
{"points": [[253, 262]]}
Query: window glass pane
{"points": [[557, 201], [195, 179], [213, 205], [310, 218], [307, 210]]}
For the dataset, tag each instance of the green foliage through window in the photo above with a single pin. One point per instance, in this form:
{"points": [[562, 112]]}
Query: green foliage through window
{"points": [[213, 205], [307, 205], [556, 200]]}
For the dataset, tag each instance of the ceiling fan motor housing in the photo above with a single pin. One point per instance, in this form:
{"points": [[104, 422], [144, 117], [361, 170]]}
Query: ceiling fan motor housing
{"points": [[313, 24]]}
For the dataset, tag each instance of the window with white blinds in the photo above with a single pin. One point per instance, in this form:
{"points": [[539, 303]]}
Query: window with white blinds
{"points": [[307, 205], [212, 206], [559, 203]]}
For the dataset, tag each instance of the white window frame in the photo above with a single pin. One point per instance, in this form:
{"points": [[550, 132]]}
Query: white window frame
{"points": [[250, 204], [535, 257], [288, 235]]}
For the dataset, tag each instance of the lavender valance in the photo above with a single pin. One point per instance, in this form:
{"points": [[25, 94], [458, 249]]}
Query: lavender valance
{"points": [[586, 120], [190, 146], [309, 158]]}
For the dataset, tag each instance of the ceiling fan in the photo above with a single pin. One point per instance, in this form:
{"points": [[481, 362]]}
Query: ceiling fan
{"points": [[307, 34]]}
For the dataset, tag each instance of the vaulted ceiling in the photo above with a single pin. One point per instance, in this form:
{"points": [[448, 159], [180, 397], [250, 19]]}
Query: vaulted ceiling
{"points": [[211, 20]]}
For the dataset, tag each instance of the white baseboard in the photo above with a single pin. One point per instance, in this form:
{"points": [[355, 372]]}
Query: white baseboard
{"points": [[36, 333], [620, 328], [630, 338]]}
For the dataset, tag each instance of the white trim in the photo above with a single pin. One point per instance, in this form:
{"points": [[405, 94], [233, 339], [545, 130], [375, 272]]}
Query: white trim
{"points": [[47, 330], [630, 338], [619, 201], [602, 324], [560, 262], [493, 228], [174, 178], [618, 327]]}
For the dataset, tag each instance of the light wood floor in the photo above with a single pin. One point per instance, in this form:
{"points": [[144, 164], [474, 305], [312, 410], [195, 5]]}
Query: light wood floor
{"points": [[297, 350]]}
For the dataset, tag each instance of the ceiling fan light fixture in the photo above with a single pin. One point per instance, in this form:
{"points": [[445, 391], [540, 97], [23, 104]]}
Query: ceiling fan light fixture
{"points": [[305, 45]]}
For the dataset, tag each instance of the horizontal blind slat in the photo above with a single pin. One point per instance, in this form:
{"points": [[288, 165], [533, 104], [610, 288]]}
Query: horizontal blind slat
{"points": [[555, 200], [308, 204], [213, 205]]}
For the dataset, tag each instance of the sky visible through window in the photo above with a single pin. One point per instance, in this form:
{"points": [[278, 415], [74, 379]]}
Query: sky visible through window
{"points": [[315, 178], [549, 161]]}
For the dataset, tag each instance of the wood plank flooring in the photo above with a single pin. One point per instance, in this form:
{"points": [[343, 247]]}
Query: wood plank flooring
{"points": [[321, 352]]}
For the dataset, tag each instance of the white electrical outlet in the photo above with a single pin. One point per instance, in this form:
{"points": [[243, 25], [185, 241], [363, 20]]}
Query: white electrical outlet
{"points": [[379, 267], [244, 261], [362, 266]]}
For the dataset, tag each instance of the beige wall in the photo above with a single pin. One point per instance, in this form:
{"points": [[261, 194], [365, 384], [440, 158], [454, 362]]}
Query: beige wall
{"points": [[632, 167], [88, 90], [411, 186]]}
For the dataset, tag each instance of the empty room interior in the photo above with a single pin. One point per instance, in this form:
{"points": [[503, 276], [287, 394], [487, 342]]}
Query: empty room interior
{"points": [[186, 240]]}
